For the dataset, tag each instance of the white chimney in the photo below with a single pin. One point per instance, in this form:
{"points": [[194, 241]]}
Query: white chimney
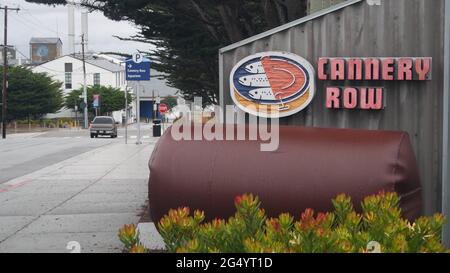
{"points": [[71, 17], [85, 30]]}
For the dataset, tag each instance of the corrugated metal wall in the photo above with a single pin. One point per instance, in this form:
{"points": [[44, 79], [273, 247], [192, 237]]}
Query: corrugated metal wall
{"points": [[396, 28]]}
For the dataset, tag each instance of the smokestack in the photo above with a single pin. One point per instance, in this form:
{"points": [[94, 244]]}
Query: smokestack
{"points": [[71, 42], [84, 29]]}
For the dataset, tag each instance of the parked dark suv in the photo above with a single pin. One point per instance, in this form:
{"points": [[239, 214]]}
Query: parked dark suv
{"points": [[103, 125]]}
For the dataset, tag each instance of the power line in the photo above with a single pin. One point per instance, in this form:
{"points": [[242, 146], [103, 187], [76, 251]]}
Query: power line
{"points": [[17, 50], [76, 73], [36, 19], [28, 24]]}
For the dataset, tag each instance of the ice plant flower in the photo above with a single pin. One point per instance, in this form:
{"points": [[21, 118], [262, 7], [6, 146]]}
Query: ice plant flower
{"points": [[238, 200], [128, 235], [342, 230], [217, 223], [138, 249], [199, 216]]}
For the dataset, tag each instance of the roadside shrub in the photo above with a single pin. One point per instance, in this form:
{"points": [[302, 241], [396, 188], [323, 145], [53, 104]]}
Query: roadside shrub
{"points": [[129, 236], [26, 122], [49, 123], [378, 228]]}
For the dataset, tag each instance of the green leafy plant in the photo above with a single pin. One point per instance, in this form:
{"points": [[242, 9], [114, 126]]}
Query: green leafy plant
{"points": [[129, 236], [342, 231], [31, 95], [111, 99]]}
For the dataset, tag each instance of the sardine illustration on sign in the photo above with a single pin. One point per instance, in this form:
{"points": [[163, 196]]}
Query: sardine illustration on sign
{"points": [[255, 68], [262, 94], [258, 80], [281, 79]]}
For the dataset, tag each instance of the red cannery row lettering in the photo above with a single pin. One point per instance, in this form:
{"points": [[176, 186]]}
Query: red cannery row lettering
{"points": [[364, 98], [355, 69], [374, 69]]}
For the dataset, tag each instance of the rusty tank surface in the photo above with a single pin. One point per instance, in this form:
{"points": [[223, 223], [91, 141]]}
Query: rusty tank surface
{"points": [[310, 167]]}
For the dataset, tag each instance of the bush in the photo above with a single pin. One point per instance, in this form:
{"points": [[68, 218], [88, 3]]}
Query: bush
{"points": [[129, 236], [379, 227], [26, 122]]}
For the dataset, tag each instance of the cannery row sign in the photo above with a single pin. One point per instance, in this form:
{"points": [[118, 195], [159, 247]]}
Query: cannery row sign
{"points": [[280, 84], [281, 80], [368, 69]]}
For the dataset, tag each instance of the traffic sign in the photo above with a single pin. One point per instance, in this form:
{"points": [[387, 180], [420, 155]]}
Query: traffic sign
{"points": [[163, 108], [138, 57], [137, 69]]}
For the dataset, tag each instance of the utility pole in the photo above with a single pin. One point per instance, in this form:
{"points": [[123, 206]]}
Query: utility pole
{"points": [[5, 70], [84, 84]]}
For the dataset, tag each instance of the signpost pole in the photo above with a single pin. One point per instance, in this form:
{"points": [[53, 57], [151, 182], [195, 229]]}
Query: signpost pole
{"points": [[76, 116], [163, 108], [138, 114], [154, 105], [126, 114]]}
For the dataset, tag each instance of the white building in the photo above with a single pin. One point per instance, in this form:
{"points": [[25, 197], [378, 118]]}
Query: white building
{"points": [[68, 69], [107, 71]]}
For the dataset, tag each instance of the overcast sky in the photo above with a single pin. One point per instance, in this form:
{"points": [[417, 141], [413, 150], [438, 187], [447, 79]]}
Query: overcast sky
{"points": [[46, 21]]}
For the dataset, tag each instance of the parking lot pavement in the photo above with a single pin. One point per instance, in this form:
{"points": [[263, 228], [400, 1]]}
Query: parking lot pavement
{"points": [[85, 198]]}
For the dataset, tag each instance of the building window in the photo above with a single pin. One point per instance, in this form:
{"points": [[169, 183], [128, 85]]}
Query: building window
{"points": [[96, 79], [68, 80], [68, 67]]}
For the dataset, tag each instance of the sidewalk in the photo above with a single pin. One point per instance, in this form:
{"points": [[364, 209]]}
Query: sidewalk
{"points": [[86, 198]]}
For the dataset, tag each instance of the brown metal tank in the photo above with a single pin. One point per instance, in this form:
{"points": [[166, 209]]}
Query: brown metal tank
{"points": [[310, 167]]}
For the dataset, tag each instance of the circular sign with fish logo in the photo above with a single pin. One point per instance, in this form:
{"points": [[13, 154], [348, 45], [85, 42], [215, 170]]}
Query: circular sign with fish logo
{"points": [[272, 84]]}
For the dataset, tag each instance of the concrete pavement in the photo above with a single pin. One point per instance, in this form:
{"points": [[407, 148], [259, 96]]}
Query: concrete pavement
{"points": [[85, 198]]}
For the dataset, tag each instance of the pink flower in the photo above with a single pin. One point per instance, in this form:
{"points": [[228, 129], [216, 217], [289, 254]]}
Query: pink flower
{"points": [[238, 200]]}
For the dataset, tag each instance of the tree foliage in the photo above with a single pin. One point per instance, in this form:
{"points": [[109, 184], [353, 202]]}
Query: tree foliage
{"points": [[171, 102], [188, 33], [111, 99], [31, 95]]}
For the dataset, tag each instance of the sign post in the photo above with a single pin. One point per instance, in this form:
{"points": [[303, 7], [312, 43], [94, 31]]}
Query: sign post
{"points": [[138, 69], [126, 114], [96, 103], [138, 114], [163, 108]]}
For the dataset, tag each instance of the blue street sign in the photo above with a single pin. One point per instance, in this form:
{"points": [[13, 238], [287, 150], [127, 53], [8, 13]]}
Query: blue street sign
{"points": [[137, 71]]}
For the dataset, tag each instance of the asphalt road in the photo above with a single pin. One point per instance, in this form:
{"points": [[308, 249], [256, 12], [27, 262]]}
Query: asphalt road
{"points": [[23, 155]]}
